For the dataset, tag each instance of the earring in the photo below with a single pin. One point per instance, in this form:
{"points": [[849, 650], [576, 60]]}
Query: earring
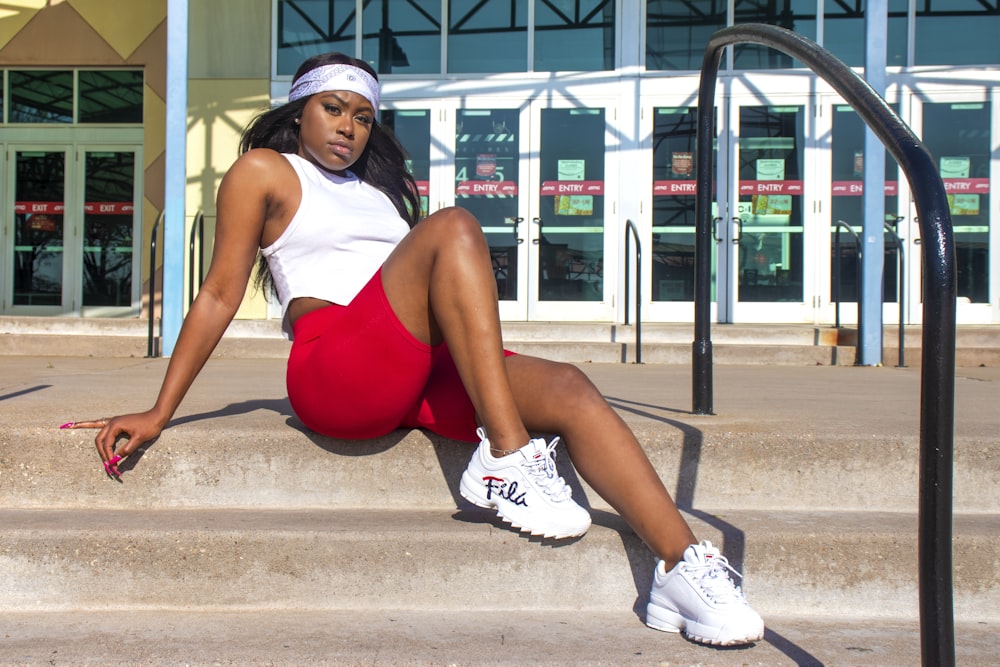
{"points": [[298, 121]]}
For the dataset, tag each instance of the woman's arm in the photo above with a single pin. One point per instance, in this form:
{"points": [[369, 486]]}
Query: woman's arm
{"points": [[247, 202]]}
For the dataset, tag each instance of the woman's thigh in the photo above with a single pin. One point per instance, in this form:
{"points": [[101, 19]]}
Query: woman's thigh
{"points": [[355, 371]]}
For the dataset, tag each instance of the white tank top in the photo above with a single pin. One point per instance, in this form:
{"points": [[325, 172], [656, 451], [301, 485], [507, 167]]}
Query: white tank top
{"points": [[342, 232]]}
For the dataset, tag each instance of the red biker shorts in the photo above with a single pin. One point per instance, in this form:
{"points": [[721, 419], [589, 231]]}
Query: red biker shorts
{"points": [[355, 372]]}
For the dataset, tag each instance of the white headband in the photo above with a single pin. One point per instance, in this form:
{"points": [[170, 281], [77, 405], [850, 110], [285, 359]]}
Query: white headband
{"points": [[336, 77]]}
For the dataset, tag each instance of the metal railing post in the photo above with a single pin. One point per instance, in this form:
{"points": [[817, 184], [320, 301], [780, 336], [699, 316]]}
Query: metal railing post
{"points": [[197, 232], [630, 229], [937, 372], [152, 284]]}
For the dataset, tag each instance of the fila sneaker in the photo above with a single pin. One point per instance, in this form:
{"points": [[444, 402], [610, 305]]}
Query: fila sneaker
{"points": [[699, 598], [525, 489]]}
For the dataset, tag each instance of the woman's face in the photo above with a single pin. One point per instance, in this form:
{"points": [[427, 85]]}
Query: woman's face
{"points": [[334, 129]]}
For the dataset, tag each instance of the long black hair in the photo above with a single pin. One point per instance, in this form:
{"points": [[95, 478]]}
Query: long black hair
{"points": [[382, 164]]}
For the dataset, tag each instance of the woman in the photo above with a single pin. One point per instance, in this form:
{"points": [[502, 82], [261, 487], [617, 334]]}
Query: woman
{"points": [[395, 324]]}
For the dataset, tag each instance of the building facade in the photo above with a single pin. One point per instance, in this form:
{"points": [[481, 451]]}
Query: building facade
{"points": [[565, 126]]}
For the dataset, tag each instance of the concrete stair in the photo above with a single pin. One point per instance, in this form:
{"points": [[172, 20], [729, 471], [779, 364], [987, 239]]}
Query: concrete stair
{"points": [[574, 342], [240, 538]]}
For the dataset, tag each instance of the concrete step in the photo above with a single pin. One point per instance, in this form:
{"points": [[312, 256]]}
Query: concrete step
{"points": [[502, 637], [578, 342], [857, 564]]}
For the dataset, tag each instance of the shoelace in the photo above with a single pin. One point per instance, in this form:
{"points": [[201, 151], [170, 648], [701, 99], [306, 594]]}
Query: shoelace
{"points": [[713, 577], [542, 469]]}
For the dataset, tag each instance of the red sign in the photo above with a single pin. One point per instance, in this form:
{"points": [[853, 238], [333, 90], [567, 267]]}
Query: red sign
{"points": [[572, 188], [857, 188], [423, 187], [675, 187], [56, 207], [90, 207], [505, 188], [770, 187]]}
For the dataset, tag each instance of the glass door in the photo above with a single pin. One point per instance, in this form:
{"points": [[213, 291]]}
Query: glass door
{"points": [[36, 218], [572, 230], [957, 130], [766, 273], [71, 220]]}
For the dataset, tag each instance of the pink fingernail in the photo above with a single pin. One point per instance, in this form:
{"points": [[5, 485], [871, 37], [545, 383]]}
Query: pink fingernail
{"points": [[114, 460], [67, 425]]}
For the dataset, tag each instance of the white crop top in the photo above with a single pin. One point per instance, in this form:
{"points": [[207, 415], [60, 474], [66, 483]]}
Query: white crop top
{"points": [[342, 232]]}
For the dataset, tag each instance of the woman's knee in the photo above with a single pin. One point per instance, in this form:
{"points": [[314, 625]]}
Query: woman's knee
{"points": [[455, 225]]}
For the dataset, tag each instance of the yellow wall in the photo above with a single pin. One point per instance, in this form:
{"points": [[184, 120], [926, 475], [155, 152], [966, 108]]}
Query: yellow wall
{"points": [[229, 46]]}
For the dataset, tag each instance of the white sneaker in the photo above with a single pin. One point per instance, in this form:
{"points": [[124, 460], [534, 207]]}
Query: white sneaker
{"points": [[525, 489], [698, 597]]}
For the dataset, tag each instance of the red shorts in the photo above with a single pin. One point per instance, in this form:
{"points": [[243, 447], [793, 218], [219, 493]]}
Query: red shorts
{"points": [[355, 372]]}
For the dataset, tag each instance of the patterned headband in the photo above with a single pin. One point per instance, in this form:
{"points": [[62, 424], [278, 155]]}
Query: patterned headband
{"points": [[336, 77]]}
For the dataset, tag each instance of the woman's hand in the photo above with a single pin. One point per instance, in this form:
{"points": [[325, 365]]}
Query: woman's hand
{"points": [[138, 428]]}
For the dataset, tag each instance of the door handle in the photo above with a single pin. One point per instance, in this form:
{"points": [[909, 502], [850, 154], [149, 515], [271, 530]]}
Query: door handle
{"points": [[715, 229], [739, 230], [517, 232], [537, 221]]}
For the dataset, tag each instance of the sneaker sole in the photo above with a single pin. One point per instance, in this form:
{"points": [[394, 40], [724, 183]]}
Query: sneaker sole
{"points": [[666, 620], [468, 487]]}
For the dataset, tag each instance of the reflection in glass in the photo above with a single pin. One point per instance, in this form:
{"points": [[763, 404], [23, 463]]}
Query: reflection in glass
{"points": [[413, 129], [41, 96], [110, 96], [958, 136], [674, 221], [310, 27], [847, 161], [108, 216], [957, 32], [676, 32], [38, 228], [844, 31], [796, 15], [486, 183], [574, 35], [403, 37], [571, 201], [770, 206], [487, 36]]}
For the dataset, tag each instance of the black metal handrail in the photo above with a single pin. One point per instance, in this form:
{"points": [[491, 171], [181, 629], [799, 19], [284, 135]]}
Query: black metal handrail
{"points": [[630, 230], [152, 284], [900, 292], [197, 228], [840, 224], [937, 394]]}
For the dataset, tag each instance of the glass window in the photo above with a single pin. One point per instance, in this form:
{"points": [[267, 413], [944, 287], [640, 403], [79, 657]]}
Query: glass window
{"points": [[847, 161], [489, 36], [403, 37], [571, 202], [796, 15], [110, 96], [844, 31], [574, 35], [486, 183], [39, 205], [674, 221], [309, 27], [413, 129], [41, 96], [958, 136], [108, 212], [677, 32], [957, 32]]}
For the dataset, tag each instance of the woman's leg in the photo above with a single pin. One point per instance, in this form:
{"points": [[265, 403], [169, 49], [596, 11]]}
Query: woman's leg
{"points": [[439, 281], [558, 398]]}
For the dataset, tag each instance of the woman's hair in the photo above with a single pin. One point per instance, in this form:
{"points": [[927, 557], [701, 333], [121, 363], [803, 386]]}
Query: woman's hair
{"points": [[382, 164]]}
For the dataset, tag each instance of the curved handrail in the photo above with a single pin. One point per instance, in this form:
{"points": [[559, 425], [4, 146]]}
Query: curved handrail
{"points": [[197, 227], [840, 224], [630, 230], [152, 283], [937, 395]]}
